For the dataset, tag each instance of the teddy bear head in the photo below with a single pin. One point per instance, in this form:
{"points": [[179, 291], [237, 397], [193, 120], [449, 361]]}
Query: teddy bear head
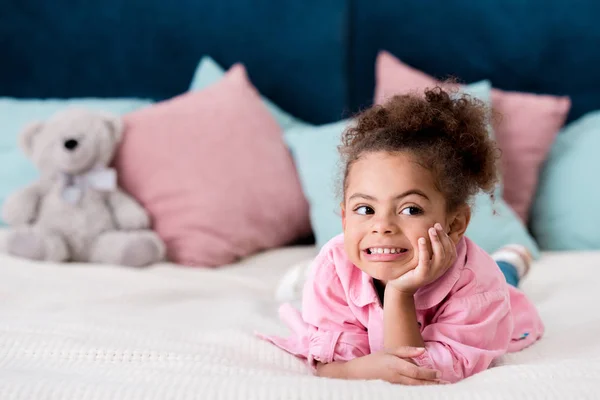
{"points": [[72, 141]]}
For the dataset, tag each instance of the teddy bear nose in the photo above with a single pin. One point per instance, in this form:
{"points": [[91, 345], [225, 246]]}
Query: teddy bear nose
{"points": [[71, 144]]}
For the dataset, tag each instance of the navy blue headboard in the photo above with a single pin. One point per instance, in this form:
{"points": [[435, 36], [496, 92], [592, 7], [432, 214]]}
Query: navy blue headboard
{"points": [[314, 58], [540, 46], [295, 51]]}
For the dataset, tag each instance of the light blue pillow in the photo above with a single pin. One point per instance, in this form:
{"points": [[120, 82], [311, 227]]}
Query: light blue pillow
{"points": [[482, 91], [16, 171], [208, 72], [566, 210], [315, 152]]}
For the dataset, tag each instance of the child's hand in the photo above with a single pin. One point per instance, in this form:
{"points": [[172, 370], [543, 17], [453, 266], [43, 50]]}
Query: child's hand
{"points": [[392, 367], [428, 270]]}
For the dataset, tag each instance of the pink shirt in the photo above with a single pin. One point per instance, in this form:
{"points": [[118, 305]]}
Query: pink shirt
{"points": [[467, 317]]}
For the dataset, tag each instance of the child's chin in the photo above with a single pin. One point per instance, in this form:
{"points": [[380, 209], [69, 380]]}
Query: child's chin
{"points": [[389, 273]]}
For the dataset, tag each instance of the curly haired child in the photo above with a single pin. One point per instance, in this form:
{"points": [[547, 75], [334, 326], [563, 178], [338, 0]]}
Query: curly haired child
{"points": [[402, 294]]}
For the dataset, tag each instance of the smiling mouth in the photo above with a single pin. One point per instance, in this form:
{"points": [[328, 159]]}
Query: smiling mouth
{"points": [[385, 250]]}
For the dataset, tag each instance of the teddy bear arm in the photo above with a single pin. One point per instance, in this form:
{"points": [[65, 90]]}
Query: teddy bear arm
{"points": [[21, 206], [127, 212]]}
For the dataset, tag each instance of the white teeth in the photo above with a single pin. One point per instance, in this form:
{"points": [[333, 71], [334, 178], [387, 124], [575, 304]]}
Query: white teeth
{"points": [[380, 250]]}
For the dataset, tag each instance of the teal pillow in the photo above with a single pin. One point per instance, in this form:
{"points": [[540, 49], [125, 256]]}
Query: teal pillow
{"points": [[16, 171], [208, 72], [566, 210], [315, 152]]}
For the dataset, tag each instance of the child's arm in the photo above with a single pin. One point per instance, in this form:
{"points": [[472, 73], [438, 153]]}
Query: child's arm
{"points": [[335, 334], [326, 330], [340, 345], [473, 327], [335, 343], [400, 327], [467, 334], [388, 366]]}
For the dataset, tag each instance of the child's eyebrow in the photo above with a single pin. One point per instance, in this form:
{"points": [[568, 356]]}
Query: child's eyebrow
{"points": [[412, 191], [407, 193], [363, 196]]}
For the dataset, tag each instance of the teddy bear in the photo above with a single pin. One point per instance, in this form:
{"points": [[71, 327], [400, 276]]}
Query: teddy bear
{"points": [[75, 211]]}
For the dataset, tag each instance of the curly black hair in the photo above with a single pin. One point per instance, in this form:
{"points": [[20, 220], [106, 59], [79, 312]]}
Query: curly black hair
{"points": [[447, 133]]}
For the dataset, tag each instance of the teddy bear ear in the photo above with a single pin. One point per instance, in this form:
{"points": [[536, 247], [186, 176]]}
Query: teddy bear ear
{"points": [[115, 126], [27, 137]]}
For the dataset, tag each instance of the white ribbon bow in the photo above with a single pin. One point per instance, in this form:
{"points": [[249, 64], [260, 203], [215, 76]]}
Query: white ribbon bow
{"points": [[102, 179]]}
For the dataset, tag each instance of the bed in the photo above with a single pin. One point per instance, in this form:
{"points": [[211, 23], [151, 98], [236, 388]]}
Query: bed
{"points": [[105, 332], [94, 332]]}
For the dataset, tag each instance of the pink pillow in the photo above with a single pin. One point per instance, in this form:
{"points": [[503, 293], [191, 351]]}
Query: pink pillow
{"points": [[525, 131], [212, 169]]}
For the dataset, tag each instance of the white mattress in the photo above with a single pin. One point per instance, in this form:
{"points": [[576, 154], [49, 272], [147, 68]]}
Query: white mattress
{"points": [[168, 332]]}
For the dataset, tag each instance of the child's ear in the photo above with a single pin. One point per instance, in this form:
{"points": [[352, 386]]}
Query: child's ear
{"points": [[459, 223], [343, 209]]}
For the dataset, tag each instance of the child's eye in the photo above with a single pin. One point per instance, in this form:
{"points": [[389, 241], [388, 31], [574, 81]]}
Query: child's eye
{"points": [[364, 210], [412, 210]]}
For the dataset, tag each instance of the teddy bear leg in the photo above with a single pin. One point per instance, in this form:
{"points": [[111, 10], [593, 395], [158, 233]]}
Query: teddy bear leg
{"points": [[35, 244], [132, 248]]}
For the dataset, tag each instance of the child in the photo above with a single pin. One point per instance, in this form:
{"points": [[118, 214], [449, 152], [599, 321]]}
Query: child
{"points": [[403, 295]]}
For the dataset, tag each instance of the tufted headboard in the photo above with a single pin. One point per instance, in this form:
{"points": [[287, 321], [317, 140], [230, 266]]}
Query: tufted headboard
{"points": [[295, 51], [314, 58]]}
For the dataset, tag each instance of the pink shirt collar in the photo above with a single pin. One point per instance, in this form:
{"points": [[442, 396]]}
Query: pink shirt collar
{"points": [[428, 296]]}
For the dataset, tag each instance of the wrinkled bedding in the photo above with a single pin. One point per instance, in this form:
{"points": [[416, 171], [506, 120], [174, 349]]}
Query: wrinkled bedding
{"points": [[82, 331]]}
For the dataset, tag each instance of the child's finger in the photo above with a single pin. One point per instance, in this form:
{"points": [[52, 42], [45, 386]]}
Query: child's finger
{"points": [[405, 380], [438, 248], [424, 259], [447, 244], [407, 351], [410, 370]]}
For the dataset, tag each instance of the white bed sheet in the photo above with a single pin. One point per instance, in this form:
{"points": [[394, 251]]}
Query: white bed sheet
{"points": [[168, 332]]}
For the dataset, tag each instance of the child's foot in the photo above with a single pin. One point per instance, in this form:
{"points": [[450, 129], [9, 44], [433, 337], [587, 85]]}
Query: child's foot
{"points": [[514, 260], [290, 286]]}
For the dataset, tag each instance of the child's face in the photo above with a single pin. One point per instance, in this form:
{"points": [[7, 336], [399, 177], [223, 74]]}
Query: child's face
{"points": [[391, 202]]}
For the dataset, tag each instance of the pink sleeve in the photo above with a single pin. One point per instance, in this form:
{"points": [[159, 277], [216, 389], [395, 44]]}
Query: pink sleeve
{"points": [[467, 335], [326, 330], [334, 332]]}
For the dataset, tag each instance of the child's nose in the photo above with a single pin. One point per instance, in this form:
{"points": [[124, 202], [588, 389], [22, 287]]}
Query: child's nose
{"points": [[385, 225]]}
